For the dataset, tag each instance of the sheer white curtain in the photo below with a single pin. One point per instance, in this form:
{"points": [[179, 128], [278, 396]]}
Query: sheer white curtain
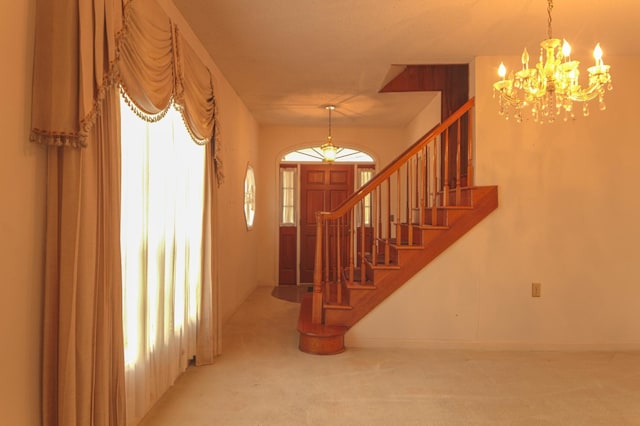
{"points": [[161, 239]]}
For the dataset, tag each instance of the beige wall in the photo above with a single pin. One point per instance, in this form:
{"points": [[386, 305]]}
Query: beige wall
{"points": [[22, 178], [236, 245], [567, 219], [424, 121]]}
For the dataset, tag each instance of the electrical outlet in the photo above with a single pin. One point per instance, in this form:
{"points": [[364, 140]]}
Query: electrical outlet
{"points": [[536, 289]]}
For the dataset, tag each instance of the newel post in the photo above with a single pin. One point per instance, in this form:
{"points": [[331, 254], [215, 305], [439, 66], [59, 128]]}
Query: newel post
{"points": [[316, 311]]}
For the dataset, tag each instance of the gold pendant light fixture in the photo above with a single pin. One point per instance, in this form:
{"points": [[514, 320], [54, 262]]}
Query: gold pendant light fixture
{"points": [[329, 150], [552, 86]]}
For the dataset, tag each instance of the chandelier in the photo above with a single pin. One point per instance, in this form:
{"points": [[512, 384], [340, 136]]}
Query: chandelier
{"points": [[552, 86], [329, 150]]}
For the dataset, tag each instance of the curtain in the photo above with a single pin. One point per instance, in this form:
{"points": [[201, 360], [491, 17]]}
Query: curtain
{"points": [[209, 330], [162, 210], [84, 50], [82, 312]]}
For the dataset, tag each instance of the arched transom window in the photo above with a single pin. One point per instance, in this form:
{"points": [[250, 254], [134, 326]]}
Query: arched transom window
{"points": [[314, 154]]}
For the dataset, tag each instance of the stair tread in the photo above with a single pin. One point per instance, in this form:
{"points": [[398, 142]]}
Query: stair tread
{"points": [[402, 246], [380, 259], [383, 267], [457, 208], [432, 227], [358, 286], [329, 305]]}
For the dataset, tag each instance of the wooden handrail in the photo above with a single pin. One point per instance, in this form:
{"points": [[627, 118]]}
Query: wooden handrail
{"points": [[346, 242], [398, 162]]}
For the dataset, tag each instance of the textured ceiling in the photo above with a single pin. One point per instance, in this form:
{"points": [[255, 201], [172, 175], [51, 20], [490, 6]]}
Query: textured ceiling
{"points": [[288, 58]]}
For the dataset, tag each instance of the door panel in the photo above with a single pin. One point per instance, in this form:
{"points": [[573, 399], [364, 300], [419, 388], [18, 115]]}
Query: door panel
{"points": [[335, 198], [315, 177], [314, 201], [288, 256], [337, 177]]}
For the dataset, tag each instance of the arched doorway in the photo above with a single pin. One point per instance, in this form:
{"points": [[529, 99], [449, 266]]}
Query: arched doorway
{"points": [[308, 184]]}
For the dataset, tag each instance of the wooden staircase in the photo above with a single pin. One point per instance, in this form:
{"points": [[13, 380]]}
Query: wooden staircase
{"points": [[391, 228]]}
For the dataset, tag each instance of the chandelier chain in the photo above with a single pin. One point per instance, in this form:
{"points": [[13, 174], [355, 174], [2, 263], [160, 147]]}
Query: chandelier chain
{"points": [[549, 9], [329, 150]]}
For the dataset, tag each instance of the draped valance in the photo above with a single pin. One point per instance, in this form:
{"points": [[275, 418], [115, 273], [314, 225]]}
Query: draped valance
{"points": [[85, 48]]}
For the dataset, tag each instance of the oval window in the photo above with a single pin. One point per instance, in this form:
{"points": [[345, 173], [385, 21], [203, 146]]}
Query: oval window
{"points": [[249, 196]]}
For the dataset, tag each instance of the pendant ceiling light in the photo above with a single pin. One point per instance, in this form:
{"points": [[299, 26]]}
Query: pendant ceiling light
{"points": [[329, 150], [552, 85]]}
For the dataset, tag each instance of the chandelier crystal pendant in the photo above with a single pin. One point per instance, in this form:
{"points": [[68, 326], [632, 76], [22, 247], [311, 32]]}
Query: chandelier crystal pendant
{"points": [[329, 150], [552, 86]]}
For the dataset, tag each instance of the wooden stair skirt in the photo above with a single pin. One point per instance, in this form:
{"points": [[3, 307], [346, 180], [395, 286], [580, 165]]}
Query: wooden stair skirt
{"points": [[328, 338]]}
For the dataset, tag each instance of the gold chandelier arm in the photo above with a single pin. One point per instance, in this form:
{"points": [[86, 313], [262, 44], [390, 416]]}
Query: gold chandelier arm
{"points": [[588, 94]]}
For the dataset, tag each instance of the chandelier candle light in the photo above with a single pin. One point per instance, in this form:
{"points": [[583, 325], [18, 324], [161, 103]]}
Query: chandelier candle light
{"points": [[552, 86], [329, 150]]}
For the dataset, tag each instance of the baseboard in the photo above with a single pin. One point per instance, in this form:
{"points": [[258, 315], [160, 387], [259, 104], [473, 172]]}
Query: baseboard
{"points": [[359, 342]]}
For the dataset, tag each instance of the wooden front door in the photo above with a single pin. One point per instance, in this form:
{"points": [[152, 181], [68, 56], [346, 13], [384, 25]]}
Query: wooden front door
{"points": [[322, 188]]}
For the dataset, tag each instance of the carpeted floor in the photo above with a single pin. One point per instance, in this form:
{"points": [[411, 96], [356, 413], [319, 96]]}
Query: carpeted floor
{"points": [[262, 379]]}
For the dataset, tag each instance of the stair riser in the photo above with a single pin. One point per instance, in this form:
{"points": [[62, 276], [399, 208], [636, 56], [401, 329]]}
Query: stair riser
{"points": [[336, 317], [466, 195], [429, 235], [441, 218]]}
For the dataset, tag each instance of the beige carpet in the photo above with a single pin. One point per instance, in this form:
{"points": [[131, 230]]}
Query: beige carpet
{"points": [[262, 379]]}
